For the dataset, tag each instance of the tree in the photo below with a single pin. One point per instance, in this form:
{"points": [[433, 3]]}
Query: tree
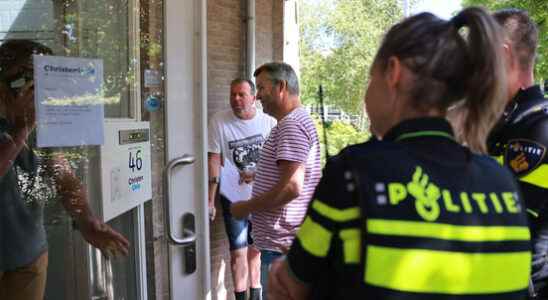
{"points": [[538, 10], [339, 135], [339, 39]]}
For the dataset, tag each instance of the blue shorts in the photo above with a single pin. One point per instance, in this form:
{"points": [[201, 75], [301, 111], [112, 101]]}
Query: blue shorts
{"points": [[237, 230]]}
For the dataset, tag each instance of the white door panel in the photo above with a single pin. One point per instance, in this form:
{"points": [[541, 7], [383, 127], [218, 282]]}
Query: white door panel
{"points": [[186, 126]]}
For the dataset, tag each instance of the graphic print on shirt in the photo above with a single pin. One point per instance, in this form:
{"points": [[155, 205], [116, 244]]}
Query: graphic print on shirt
{"points": [[245, 152]]}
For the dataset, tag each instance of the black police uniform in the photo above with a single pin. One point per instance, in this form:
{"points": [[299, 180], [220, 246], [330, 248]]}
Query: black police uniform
{"points": [[415, 216], [520, 142]]}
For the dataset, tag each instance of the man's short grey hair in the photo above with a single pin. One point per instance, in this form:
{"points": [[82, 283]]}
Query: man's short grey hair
{"points": [[522, 32], [242, 80], [279, 71]]}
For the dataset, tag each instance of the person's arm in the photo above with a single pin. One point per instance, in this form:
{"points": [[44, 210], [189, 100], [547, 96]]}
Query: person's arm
{"points": [[214, 161], [73, 197], [315, 262], [293, 147], [213, 167], [289, 187], [531, 168]]}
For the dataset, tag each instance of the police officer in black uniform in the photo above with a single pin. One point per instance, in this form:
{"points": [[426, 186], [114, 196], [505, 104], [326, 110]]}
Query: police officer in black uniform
{"points": [[414, 214], [520, 140]]}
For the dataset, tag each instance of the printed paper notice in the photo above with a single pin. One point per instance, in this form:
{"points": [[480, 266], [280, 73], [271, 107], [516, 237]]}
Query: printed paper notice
{"points": [[68, 96]]}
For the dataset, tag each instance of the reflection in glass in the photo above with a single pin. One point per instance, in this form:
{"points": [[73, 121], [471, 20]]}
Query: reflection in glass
{"points": [[100, 29], [81, 28]]}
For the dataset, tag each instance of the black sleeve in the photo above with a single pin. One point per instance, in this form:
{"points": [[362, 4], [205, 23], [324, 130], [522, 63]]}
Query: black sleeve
{"points": [[533, 182], [538, 132], [531, 143], [313, 253]]}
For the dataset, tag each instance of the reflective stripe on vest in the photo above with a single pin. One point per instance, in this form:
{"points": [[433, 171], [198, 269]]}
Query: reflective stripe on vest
{"points": [[316, 239], [538, 177], [447, 231], [457, 273], [499, 159], [446, 271], [351, 240], [335, 214]]}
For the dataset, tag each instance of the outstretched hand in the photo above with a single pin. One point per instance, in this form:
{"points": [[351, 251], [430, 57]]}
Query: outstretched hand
{"points": [[102, 236]]}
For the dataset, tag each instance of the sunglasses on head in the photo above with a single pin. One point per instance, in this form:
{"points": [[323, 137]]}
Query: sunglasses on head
{"points": [[19, 81]]}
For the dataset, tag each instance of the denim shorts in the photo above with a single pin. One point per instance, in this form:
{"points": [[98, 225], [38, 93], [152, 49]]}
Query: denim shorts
{"points": [[237, 230]]}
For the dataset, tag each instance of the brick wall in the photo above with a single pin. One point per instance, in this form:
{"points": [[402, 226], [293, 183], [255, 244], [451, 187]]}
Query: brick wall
{"points": [[278, 30], [224, 62], [224, 40], [263, 32], [226, 46]]}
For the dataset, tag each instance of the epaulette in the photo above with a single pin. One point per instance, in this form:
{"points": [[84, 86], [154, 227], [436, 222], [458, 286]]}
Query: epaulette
{"points": [[541, 108]]}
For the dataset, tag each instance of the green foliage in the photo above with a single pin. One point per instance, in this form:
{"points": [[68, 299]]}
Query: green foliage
{"points": [[538, 10], [339, 135], [339, 39]]}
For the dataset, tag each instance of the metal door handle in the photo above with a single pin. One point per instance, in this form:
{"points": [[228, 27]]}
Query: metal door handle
{"points": [[189, 235]]}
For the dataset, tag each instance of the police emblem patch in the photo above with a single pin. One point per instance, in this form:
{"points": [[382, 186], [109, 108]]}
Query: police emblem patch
{"points": [[523, 156]]}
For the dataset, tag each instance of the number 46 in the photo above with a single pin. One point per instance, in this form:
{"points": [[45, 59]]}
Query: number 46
{"points": [[135, 162]]}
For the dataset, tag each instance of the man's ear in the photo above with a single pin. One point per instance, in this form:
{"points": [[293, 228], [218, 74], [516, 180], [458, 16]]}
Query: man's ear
{"points": [[509, 56], [282, 85], [393, 72]]}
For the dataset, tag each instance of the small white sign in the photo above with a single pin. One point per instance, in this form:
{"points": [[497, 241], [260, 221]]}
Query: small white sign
{"points": [[68, 97], [152, 78], [125, 167]]}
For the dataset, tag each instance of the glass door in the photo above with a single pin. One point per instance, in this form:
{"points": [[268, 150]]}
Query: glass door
{"points": [[107, 30]]}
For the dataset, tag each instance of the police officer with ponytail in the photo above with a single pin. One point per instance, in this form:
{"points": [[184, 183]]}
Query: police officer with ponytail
{"points": [[414, 214], [520, 139]]}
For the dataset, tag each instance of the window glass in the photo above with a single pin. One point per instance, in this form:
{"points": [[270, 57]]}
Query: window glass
{"points": [[81, 28]]}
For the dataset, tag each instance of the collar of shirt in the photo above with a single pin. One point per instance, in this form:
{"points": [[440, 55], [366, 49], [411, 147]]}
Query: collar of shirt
{"points": [[530, 93], [523, 95], [522, 103], [420, 127]]}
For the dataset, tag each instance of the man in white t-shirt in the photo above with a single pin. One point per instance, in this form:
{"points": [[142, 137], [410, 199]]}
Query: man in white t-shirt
{"points": [[236, 137]]}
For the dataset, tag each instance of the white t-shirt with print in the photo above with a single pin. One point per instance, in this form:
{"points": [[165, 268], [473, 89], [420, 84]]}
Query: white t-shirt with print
{"points": [[239, 142]]}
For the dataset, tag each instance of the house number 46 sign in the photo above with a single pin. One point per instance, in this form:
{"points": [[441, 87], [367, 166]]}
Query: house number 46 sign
{"points": [[135, 160]]}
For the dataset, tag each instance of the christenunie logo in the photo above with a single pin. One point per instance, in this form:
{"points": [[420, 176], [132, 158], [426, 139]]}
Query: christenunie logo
{"points": [[86, 72]]}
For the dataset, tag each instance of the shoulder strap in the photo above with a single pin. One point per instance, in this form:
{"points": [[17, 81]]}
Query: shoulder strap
{"points": [[541, 108]]}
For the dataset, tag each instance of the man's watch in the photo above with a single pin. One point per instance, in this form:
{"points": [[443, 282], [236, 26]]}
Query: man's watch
{"points": [[214, 179]]}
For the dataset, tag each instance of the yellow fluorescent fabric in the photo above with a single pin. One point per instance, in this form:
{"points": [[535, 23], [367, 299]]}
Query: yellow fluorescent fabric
{"points": [[351, 245], [447, 232], [538, 177], [335, 214], [499, 159], [314, 238], [429, 271]]}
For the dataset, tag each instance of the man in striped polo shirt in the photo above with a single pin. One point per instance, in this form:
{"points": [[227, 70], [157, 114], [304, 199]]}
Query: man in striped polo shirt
{"points": [[288, 169]]}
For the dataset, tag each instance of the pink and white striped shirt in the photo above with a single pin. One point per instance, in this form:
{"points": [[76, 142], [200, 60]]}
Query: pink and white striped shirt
{"points": [[293, 139]]}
